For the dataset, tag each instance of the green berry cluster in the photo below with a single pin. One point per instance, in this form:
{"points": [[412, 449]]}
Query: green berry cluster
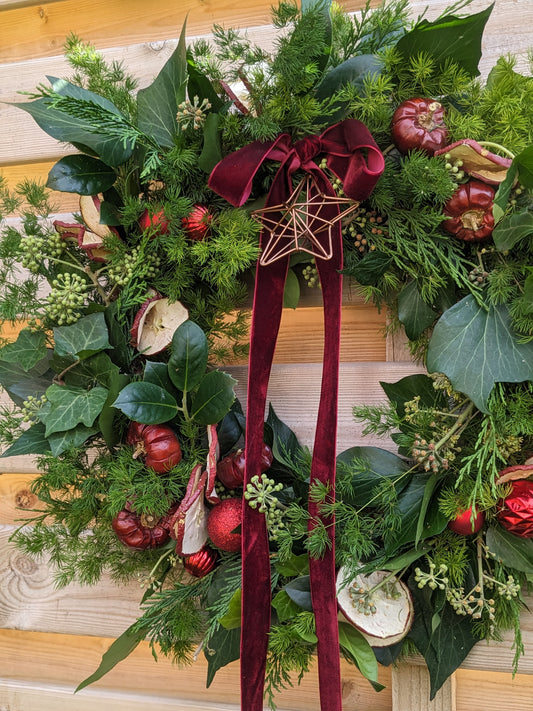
{"points": [[434, 578], [310, 274], [454, 169], [31, 406], [122, 271], [361, 599], [260, 495], [35, 249], [67, 295], [366, 225], [426, 454], [192, 113]]}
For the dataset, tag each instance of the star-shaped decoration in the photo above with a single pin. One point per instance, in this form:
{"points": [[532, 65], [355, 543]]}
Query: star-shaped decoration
{"points": [[296, 225]]}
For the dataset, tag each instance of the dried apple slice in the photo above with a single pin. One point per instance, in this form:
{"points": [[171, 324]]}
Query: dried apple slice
{"points": [[155, 323], [90, 211], [383, 615]]}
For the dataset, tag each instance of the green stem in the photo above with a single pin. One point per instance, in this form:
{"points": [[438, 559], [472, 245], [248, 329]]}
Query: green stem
{"points": [[394, 574], [490, 144], [59, 377], [462, 421], [92, 276]]}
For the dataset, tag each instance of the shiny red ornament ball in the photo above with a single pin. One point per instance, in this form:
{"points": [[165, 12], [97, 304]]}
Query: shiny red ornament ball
{"points": [[201, 563], [196, 224], [156, 221], [516, 510], [222, 521], [463, 523]]}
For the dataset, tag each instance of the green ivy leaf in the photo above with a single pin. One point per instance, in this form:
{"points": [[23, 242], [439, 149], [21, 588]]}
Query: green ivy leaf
{"points": [[157, 104], [84, 338], [224, 647], [80, 174], [295, 565], [232, 619], [413, 312], [291, 292], [146, 403], [512, 229], [284, 606], [71, 406], [32, 441], [189, 354], [476, 348], [28, 350], [352, 72], [451, 38], [285, 445], [213, 398], [357, 647], [18, 383], [445, 648], [61, 441], [514, 551], [98, 368], [369, 270], [380, 465]]}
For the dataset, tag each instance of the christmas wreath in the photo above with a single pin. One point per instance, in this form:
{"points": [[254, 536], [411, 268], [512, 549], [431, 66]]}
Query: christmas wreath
{"points": [[238, 167]]}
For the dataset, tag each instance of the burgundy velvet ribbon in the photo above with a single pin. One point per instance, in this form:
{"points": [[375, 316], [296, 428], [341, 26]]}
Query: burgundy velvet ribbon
{"points": [[354, 157]]}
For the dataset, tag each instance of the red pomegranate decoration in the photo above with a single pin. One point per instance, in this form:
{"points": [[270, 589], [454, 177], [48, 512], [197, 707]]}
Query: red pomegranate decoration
{"points": [[516, 510], [419, 124], [158, 445], [201, 563], [155, 221], [230, 469], [196, 224], [465, 524], [141, 531], [222, 521], [470, 212]]}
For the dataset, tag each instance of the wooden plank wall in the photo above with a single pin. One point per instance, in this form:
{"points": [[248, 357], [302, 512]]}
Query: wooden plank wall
{"points": [[51, 639]]}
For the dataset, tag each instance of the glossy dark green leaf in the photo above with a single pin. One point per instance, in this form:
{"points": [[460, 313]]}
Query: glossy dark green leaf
{"points": [[61, 441], [429, 489], [107, 418], [28, 350], [476, 348], [352, 72], [189, 354], [417, 385], [84, 338], [524, 163], [299, 591], [285, 445], [119, 337], [445, 648], [32, 441], [224, 647], [413, 312], [200, 85], [157, 104], [157, 373], [369, 270], [405, 559], [212, 150], [80, 174], [146, 403], [371, 466], [291, 292], [513, 551], [504, 193], [455, 39], [214, 398], [231, 429], [69, 407], [353, 642], [511, 229], [121, 648]]}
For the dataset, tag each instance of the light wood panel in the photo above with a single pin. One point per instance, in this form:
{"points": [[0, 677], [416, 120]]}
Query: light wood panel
{"points": [[411, 689], [482, 691]]}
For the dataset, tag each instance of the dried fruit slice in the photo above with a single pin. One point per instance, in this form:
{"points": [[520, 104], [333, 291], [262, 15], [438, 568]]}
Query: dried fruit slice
{"points": [[90, 211], [155, 323], [383, 615], [189, 524]]}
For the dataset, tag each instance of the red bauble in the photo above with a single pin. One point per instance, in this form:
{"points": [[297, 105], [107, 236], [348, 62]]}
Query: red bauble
{"points": [[418, 124], [222, 521], [155, 221], [201, 563], [463, 524], [516, 510], [470, 212], [230, 470], [141, 531], [196, 224], [157, 444]]}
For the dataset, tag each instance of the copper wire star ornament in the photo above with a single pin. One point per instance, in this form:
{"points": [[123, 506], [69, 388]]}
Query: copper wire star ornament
{"points": [[297, 226]]}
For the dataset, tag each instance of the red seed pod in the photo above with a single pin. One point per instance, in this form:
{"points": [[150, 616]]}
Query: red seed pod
{"points": [[222, 521], [141, 531], [516, 510], [158, 445], [230, 469], [196, 224], [470, 212], [464, 524], [201, 563], [419, 124]]}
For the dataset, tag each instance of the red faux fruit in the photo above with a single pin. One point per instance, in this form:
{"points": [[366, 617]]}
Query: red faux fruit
{"points": [[470, 212], [141, 531], [516, 510], [154, 324], [158, 445], [466, 525], [201, 563], [222, 521], [419, 124], [196, 224], [230, 469], [156, 222]]}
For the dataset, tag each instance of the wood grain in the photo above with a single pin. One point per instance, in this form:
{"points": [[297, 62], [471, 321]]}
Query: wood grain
{"points": [[411, 690], [16, 498], [482, 691]]}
